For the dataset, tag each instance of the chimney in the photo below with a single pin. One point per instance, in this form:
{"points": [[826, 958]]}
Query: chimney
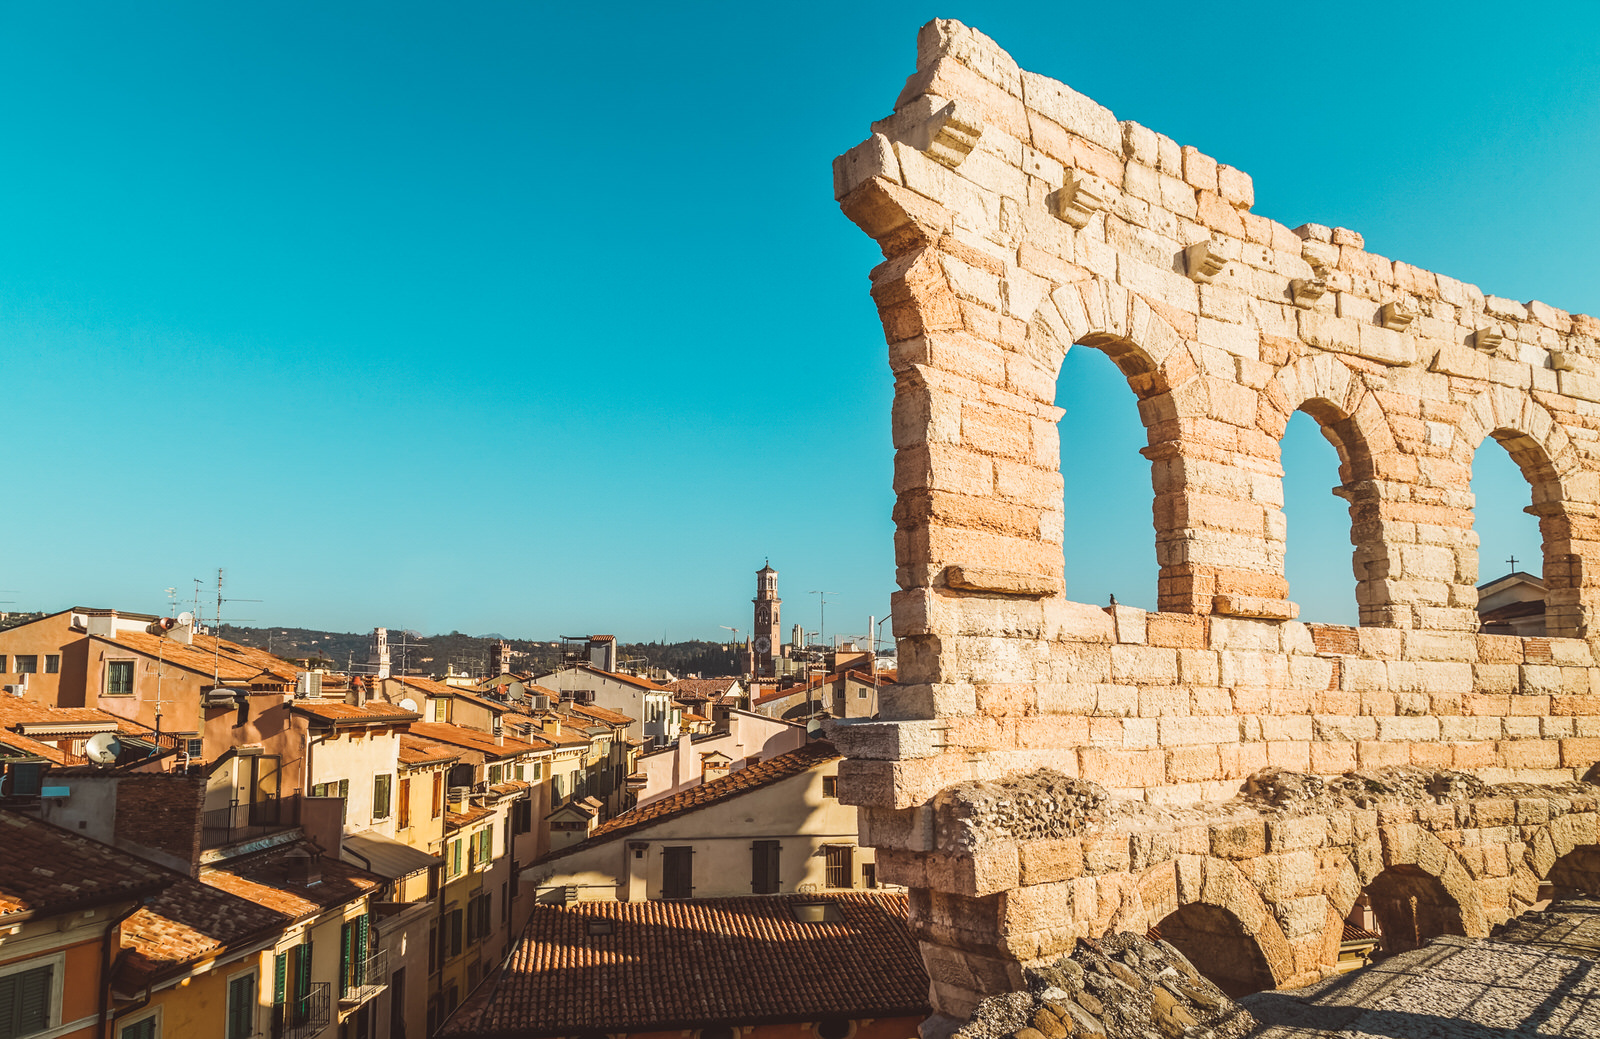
{"points": [[551, 723], [302, 867], [103, 623]]}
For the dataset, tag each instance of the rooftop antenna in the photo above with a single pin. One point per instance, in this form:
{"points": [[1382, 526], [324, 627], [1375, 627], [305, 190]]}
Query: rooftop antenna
{"points": [[216, 637], [822, 610]]}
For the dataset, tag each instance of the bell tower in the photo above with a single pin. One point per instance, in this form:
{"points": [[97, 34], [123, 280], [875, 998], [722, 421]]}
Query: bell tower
{"points": [[764, 632]]}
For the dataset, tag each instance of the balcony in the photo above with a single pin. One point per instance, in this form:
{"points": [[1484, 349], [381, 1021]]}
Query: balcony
{"points": [[305, 1017], [244, 821], [364, 979]]}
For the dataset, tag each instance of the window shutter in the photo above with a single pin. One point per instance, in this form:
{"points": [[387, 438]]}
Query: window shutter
{"points": [[280, 977], [346, 937], [33, 1001], [305, 977]]}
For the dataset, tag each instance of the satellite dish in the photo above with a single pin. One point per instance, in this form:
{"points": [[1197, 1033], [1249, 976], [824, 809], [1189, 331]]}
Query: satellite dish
{"points": [[185, 619], [516, 691], [103, 749], [409, 704], [814, 728]]}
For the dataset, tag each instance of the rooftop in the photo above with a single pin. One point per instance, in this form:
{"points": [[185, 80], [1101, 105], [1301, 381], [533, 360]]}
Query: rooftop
{"points": [[471, 739], [337, 712], [184, 924], [47, 870], [264, 879], [735, 784], [667, 965], [208, 654], [417, 751]]}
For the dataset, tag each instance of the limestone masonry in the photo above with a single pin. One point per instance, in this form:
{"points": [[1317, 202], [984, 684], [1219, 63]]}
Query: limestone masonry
{"points": [[1017, 219]]}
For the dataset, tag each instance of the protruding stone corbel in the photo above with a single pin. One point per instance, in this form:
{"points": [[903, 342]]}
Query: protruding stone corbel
{"points": [[1081, 197], [1203, 261], [1306, 291], [1488, 338], [1397, 315], [952, 133], [1571, 361]]}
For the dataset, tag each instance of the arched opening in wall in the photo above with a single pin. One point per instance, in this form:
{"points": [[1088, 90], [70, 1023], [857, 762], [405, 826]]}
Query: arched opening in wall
{"points": [[1512, 574], [1215, 942], [1575, 873], [1107, 532], [1404, 908], [1317, 521]]}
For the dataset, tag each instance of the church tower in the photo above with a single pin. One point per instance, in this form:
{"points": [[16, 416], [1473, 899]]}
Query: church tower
{"points": [[765, 631]]}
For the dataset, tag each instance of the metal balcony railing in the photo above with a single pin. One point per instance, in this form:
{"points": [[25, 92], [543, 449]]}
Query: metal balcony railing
{"points": [[305, 1017], [246, 820], [365, 979]]}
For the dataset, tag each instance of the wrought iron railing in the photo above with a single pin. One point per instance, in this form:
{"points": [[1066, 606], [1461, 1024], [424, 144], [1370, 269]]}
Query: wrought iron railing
{"points": [[304, 1017], [365, 979], [246, 820]]}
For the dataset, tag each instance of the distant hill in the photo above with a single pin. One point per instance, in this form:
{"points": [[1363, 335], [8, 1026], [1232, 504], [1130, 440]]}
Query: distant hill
{"points": [[433, 655]]}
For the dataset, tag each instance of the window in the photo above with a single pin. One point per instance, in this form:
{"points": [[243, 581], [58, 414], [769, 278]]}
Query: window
{"points": [[144, 1028], [497, 774], [27, 664], [478, 915], [521, 772], [26, 1001], [538, 771], [380, 796], [505, 905], [335, 788], [522, 816], [353, 937], [677, 872], [196, 747], [455, 857], [52, 663], [764, 867], [841, 865], [869, 874], [119, 678], [455, 932], [485, 846], [830, 786], [435, 953], [242, 1006], [438, 794], [441, 710], [405, 803], [861, 694]]}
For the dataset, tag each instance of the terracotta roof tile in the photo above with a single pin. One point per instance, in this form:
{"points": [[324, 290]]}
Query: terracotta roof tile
{"points": [[416, 751], [338, 712], [702, 688], [186, 923], [687, 964], [264, 879], [232, 662], [600, 714], [470, 739], [732, 785], [47, 870], [454, 820]]}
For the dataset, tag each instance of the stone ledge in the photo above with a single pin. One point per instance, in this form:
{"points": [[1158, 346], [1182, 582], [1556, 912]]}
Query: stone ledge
{"points": [[1005, 582]]}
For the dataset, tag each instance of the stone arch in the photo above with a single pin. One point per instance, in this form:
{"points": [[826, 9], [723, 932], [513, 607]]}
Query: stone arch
{"points": [[1557, 839], [1164, 375], [1349, 416], [1421, 866], [1565, 501], [1577, 870], [1172, 887]]}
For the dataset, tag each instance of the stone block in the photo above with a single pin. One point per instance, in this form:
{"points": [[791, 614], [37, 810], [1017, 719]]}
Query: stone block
{"points": [[1241, 840]]}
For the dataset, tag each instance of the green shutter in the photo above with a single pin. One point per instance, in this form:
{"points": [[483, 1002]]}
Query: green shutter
{"points": [[280, 977], [361, 949]]}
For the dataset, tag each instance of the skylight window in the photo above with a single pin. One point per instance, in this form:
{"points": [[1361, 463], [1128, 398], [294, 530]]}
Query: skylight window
{"points": [[816, 912]]}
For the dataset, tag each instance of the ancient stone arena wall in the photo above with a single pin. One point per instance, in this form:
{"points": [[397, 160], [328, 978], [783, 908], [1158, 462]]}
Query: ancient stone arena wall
{"points": [[1019, 219]]}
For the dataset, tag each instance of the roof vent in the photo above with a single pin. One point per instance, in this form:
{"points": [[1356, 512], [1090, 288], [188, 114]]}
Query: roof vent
{"points": [[302, 867], [600, 925], [816, 912]]}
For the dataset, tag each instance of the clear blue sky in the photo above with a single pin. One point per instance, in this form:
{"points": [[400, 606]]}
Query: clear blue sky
{"points": [[542, 319]]}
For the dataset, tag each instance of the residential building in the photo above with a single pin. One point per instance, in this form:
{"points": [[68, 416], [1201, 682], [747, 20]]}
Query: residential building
{"points": [[59, 926], [656, 715], [741, 738], [773, 827], [835, 966]]}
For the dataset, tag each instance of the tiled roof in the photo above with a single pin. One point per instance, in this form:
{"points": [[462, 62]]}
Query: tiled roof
{"points": [[47, 870], [764, 773], [470, 739], [688, 964], [233, 662], [337, 712], [30, 747], [186, 923], [432, 687], [415, 751], [454, 820], [702, 688], [633, 680], [600, 714], [264, 879]]}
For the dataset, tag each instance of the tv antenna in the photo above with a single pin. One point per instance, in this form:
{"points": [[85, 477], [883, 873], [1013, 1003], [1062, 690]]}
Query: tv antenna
{"points": [[822, 611]]}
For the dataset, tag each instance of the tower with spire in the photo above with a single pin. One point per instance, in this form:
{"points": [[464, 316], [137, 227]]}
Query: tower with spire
{"points": [[764, 632]]}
